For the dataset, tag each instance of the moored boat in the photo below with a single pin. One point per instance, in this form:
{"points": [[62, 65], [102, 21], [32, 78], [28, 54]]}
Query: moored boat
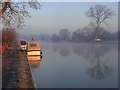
{"points": [[33, 49]]}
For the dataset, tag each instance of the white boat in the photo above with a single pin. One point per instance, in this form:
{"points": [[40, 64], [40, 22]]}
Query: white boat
{"points": [[97, 40], [33, 49]]}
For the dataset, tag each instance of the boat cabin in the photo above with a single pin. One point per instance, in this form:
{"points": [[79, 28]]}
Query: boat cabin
{"points": [[33, 48]]}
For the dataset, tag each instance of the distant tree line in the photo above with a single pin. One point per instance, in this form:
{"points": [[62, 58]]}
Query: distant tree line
{"points": [[87, 34], [83, 35]]}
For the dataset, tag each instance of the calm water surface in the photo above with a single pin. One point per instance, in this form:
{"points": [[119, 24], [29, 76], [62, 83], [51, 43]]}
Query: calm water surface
{"points": [[79, 65]]}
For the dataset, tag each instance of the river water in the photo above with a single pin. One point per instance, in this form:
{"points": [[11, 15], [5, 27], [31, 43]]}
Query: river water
{"points": [[77, 65]]}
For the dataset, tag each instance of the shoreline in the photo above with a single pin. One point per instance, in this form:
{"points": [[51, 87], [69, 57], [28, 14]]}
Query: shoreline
{"points": [[16, 72], [32, 77]]}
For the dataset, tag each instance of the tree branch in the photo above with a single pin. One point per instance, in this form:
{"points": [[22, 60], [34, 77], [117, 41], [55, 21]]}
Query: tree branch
{"points": [[7, 4]]}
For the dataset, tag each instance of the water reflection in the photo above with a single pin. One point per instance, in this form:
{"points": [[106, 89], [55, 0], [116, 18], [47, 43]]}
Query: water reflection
{"points": [[94, 53], [34, 61], [82, 50], [85, 50], [55, 48], [64, 50], [97, 50], [77, 65], [99, 65]]}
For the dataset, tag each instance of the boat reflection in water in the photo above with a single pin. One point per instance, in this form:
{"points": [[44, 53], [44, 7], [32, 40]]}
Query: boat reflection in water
{"points": [[34, 61]]}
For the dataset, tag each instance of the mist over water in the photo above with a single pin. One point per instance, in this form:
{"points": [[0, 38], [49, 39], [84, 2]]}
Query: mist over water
{"points": [[77, 65]]}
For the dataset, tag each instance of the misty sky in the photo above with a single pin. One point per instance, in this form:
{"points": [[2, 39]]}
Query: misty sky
{"points": [[54, 16]]}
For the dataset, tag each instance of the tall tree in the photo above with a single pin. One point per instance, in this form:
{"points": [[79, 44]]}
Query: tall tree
{"points": [[55, 38], [99, 14], [64, 34], [14, 13]]}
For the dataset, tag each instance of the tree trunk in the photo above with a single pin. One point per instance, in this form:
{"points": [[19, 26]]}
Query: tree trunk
{"points": [[97, 32]]}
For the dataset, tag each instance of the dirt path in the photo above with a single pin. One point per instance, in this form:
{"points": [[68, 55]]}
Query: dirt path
{"points": [[16, 71]]}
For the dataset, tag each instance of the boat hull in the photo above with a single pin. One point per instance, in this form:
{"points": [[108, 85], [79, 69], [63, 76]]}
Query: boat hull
{"points": [[34, 53]]}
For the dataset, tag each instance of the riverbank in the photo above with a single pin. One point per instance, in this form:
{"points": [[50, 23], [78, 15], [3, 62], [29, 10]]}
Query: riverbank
{"points": [[16, 72]]}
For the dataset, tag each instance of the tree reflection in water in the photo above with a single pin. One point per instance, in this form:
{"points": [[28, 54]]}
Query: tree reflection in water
{"points": [[79, 49], [63, 49], [100, 69], [55, 47], [93, 52]]}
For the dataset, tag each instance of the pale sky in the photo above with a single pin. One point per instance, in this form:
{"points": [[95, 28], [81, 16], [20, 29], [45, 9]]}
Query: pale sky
{"points": [[54, 16]]}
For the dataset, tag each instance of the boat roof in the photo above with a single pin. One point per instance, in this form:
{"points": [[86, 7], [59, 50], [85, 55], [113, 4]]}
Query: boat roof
{"points": [[34, 45], [33, 42]]}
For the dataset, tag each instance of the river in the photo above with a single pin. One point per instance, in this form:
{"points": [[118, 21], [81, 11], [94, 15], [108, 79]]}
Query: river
{"points": [[77, 65]]}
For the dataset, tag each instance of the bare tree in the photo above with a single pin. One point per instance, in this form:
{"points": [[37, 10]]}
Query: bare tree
{"points": [[14, 13], [99, 14]]}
